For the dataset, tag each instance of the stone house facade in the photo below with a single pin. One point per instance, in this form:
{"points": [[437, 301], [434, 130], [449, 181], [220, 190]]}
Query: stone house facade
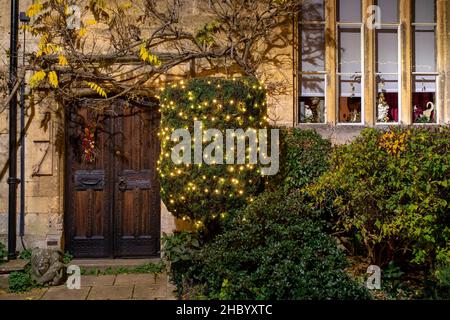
{"points": [[341, 74]]}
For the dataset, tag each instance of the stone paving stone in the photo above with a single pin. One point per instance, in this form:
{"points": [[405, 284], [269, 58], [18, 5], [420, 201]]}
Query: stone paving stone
{"points": [[62, 293], [132, 279], [152, 292], [91, 280], [111, 293], [161, 279], [4, 282], [34, 294]]}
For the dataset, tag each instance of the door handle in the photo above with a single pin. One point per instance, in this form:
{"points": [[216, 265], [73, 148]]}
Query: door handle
{"points": [[90, 182], [122, 185]]}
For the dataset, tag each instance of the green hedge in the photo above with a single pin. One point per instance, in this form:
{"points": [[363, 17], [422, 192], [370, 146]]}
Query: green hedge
{"points": [[204, 192], [270, 251], [391, 190]]}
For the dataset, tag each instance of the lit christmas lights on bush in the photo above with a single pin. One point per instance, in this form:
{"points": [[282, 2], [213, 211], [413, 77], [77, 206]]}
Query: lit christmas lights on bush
{"points": [[200, 192]]}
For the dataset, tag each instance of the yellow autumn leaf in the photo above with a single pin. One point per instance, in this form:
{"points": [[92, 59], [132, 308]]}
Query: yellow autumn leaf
{"points": [[148, 57], [143, 54], [82, 32], [34, 9], [53, 79], [62, 60], [43, 41], [37, 78], [100, 91], [90, 22]]}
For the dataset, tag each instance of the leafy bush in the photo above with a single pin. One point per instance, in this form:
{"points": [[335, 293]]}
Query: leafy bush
{"points": [[443, 277], [304, 158], [67, 258], [391, 190], [179, 250], [25, 254], [270, 251], [203, 192], [20, 281]]}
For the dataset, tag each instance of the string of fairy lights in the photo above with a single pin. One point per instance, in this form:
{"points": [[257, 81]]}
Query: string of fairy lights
{"points": [[236, 178]]}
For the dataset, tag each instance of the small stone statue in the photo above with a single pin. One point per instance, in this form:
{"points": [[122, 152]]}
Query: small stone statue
{"points": [[47, 267]]}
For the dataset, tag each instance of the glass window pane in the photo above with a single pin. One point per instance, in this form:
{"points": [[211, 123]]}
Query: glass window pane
{"points": [[312, 10], [313, 48], [387, 50], [349, 11], [350, 99], [312, 99], [425, 11], [424, 99], [349, 50], [387, 99], [389, 10], [424, 49]]}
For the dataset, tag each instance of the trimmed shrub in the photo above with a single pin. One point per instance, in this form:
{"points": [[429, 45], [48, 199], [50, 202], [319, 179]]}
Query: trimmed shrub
{"points": [[270, 251], [391, 191], [203, 192], [304, 158]]}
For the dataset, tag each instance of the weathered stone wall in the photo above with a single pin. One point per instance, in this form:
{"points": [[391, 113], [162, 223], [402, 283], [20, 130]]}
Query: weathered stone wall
{"points": [[45, 187], [43, 165]]}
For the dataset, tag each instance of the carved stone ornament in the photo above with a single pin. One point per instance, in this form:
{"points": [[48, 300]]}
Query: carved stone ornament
{"points": [[47, 267]]}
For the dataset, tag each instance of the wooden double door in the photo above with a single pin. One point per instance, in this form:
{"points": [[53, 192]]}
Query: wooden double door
{"points": [[112, 190]]}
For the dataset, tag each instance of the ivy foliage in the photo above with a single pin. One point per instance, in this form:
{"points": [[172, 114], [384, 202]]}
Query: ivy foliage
{"points": [[304, 158], [391, 190], [203, 192]]}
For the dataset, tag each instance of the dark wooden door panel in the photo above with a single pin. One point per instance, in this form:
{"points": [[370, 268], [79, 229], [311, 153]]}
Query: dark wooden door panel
{"points": [[113, 204], [88, 195], [136, 187]]}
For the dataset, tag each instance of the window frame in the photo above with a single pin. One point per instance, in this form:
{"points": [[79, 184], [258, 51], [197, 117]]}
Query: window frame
{"points": [[415, 74], [323, 73], [393, 26], [339, 74]]}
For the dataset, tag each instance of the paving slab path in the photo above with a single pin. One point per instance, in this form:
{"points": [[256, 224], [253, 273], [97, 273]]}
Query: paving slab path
{"points": [[106, 287]]}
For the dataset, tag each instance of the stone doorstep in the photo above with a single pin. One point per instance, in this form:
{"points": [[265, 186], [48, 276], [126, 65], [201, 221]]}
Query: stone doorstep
{"points": [[13, 265], [113, 264]]}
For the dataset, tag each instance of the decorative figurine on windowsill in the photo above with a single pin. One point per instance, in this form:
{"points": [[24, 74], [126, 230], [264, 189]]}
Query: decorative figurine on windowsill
{"points": [[383, 109], [308, 114], [426, 116], [312, 111], [354, 107]]}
